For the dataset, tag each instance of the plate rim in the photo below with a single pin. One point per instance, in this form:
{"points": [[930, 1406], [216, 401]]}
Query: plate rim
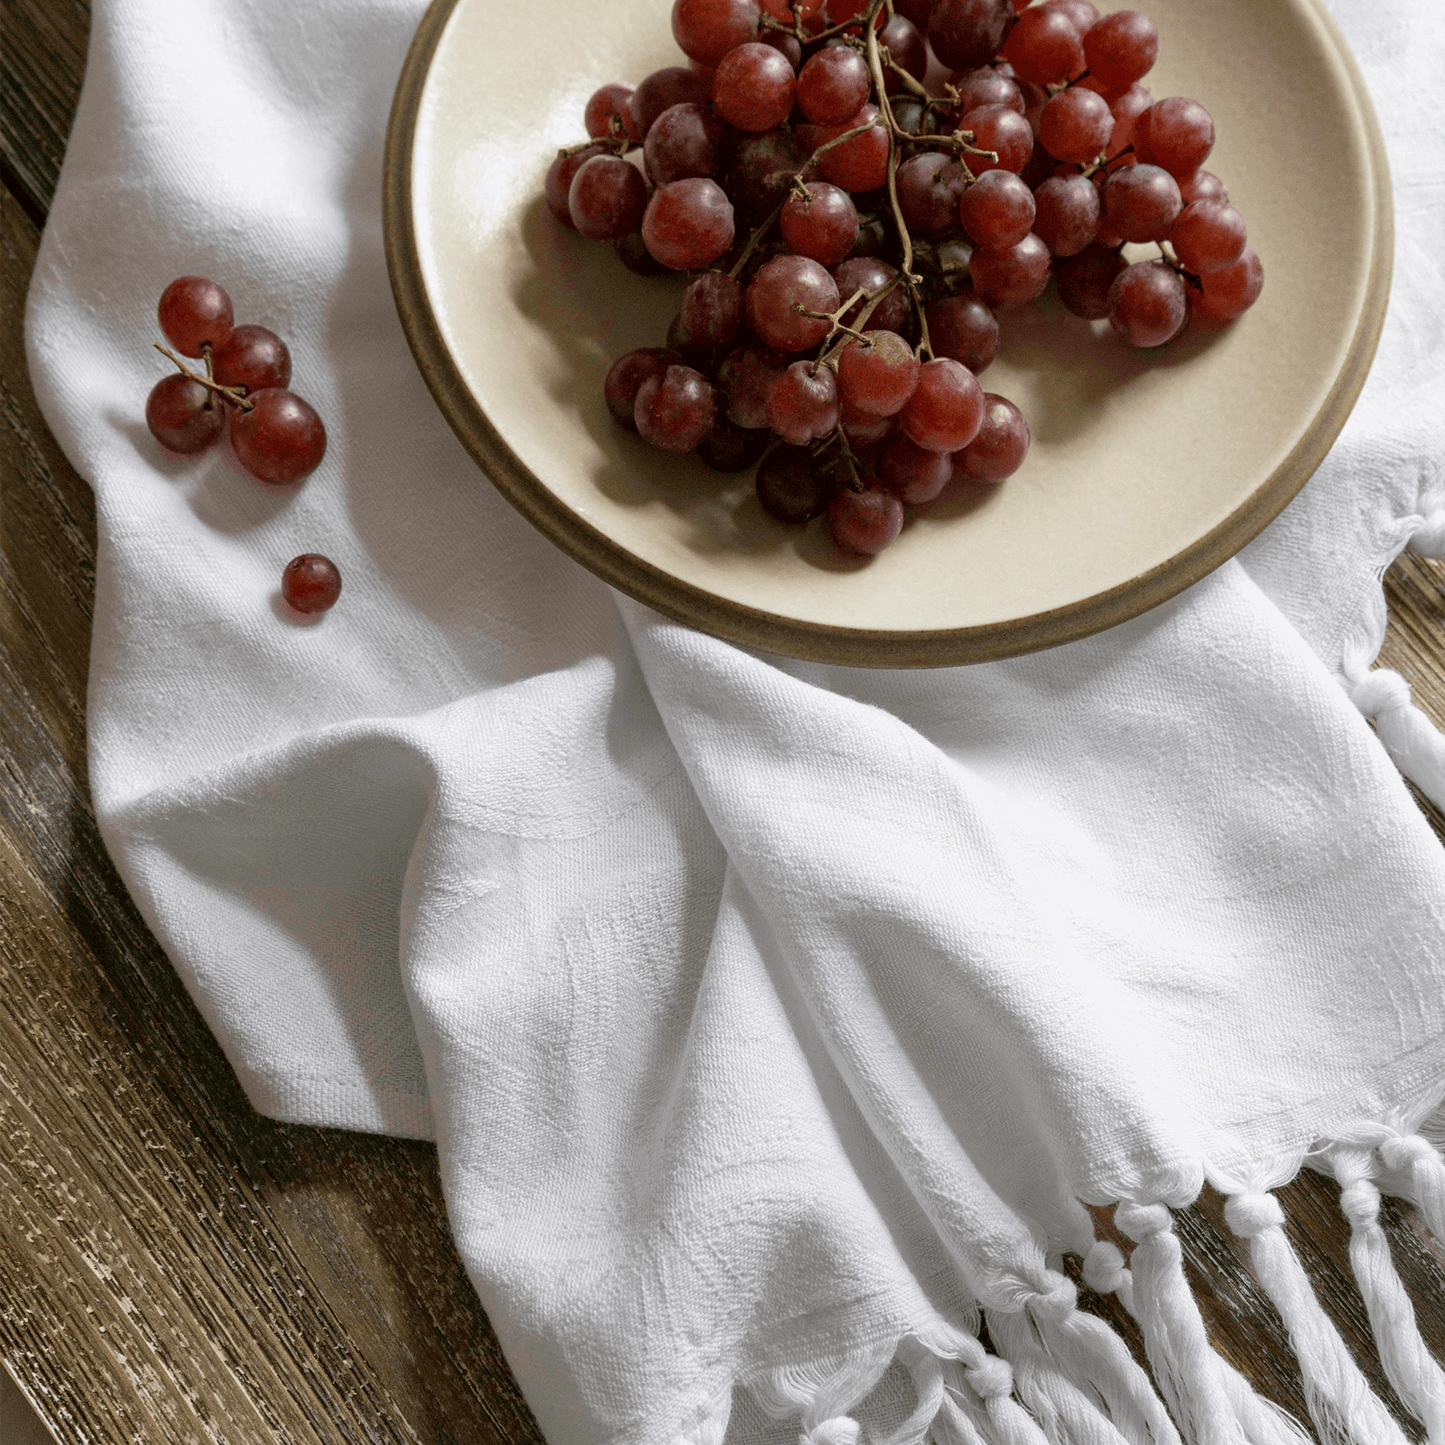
{"points": [[775, 633]]}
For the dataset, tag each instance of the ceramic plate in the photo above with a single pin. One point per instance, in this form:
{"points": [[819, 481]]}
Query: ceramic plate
{"points": [[1147, 470]]}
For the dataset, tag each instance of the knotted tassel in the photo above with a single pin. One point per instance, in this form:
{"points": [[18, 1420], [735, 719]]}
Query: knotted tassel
{"points": [[990, 1384], [1095, 1358], [1418, 1162], [1417, 1379], [1341, 1403], [1261, 1420], [1411, 739], [1175, 1340], [926, 1371]]}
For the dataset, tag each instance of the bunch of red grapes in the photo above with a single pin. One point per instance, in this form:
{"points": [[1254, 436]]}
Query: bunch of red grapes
{"points": [[854, 234], [275, 435]]}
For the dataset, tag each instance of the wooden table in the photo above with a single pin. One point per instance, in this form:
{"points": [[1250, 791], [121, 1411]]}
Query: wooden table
{"points": [[175, 1268]]}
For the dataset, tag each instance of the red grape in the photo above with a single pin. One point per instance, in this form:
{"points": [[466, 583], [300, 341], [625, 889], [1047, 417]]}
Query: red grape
{"points": [[803, 406], [1148, 303], [688, 224], [912, 474], [183, 415], [280, 439], [746, 380], [607, 198], [762, 170], [1202, 186], [729, 447], [707, 29], [964, 328], [998, 210], [786, 283], [877, 375], [559, 181], [793, 485], [823, 227], [966, 33], [986, 86], [999, 129], [833, 85], [1076, 125], [311, 583], [860, 164], [907, 47], [1141, 202], [1002, 442], [946, 408], [865, 522], [1177, 134], [1208, 236], [676, 410], [1121, 48], [1227, 294], [1066, 214], [1012, 276], [609, 101], [1084, 280], [194, 313], [626, 375], [663, 89], [686, 140], [252, 357], [1044, 46], [1126, 110], [754, 87], [930, 187], [870, 274]]}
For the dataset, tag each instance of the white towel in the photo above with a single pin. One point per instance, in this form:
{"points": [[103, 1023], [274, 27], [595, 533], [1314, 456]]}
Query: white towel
{"points": [[772, 1019]]}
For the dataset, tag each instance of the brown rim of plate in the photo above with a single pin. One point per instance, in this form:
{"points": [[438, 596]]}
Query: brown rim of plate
{"points": [[812, 641]]}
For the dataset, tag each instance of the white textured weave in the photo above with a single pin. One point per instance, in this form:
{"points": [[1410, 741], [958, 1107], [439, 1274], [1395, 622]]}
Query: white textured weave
{"points": [[767, 1015]]}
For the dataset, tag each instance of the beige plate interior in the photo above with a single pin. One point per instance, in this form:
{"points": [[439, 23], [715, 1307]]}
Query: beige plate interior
{"points": [[1147, 470]]}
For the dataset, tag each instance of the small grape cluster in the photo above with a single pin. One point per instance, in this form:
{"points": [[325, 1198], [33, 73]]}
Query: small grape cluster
{"points": [[274, 434], [839, 344]]}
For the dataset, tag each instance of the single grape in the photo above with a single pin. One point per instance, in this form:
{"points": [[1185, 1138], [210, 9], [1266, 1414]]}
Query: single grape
{"points": [[746, 380], [983, 85], [686, 140], [280, 439], [1208, 236], [946, 408], [1084, 280], [311, 583], [1013, 276], [968, 33], [803, 406], [559, 181], [626, 375], [860, 164], [963, 328], [787, 44], [609, 101], [930, 187], [793, 485], [729, 447], [777, 297], [762, 170], [1066, 214], [252, 357], [878, 373], [663, 89], [707, 29], [194, 313], [687, 225], [183, 415], [676, 410], [712, 311], [1141, 202], [998, 210], [999, 129], [833, 85], [861, 428], [824, 226], [907, 47], [865, 522], [1121, 48], [1126, 110], [607, 199], [1227, 294], [912, 474], [1002, 443], [1076, 125], [1148, 303], [918, 11], [1177, 134], [1202, 186], [1045, 46], [869, 274], [754, 87]]}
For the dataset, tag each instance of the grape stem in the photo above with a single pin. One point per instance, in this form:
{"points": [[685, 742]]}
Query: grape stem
{"points": [[838, 439], [234, 394]]}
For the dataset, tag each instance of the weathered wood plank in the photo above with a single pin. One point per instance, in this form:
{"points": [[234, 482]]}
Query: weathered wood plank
{"points": [[42, 62]]}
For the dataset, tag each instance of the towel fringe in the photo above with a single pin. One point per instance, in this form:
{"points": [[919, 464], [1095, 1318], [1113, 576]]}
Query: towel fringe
{"points": [[1341, 1402], [823, 1394], [1408, 1364]]}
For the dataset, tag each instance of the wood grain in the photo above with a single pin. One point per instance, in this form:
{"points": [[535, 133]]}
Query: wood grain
{"points": [[174, 1268]]}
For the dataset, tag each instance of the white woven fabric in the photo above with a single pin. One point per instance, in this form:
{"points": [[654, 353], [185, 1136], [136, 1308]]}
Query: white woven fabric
{"points": [[771, 1018]]}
